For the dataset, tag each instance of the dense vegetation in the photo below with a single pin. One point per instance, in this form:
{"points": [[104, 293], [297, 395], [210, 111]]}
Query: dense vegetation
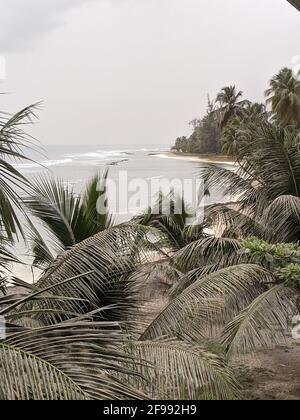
{"points": [[221, 129], [96, 326]]}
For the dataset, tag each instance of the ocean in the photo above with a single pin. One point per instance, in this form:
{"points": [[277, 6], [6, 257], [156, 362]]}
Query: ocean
{"points": [[76, 165]]}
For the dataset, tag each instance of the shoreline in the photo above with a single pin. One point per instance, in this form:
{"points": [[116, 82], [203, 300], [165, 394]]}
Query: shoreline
{"points": [[194, 157]]}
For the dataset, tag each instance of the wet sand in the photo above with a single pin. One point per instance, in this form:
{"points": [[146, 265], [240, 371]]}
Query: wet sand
{"points": [[214, 159]]}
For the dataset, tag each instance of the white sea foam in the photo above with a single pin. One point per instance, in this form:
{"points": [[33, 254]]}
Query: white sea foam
{"points": [[46, 163], [88, 158], [99, 155]]}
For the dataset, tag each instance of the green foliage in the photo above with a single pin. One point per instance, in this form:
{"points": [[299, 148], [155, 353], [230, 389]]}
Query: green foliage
{"points": [[224, 128], [13, 142], [282, 259], [205, 136], [284, 97], [80, 337], [84, 331], [265, 189], [235, 135], [290, 274], [68, 218], [230, 104]]}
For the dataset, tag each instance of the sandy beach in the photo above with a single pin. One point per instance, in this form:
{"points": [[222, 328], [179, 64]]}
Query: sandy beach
{"points": [[215, 159]]}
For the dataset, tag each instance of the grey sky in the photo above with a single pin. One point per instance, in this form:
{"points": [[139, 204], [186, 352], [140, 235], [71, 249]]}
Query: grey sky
{"points": [[136, 71]]}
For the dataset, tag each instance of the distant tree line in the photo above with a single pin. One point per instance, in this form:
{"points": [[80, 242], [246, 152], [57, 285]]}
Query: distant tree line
{"points": [[227, 118]]}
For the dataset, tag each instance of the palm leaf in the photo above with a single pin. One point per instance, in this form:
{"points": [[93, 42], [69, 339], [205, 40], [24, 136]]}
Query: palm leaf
{"points": [[110, 258], [64, 362], [263, 323], [209, 301], [13, 140], [181, 371]]}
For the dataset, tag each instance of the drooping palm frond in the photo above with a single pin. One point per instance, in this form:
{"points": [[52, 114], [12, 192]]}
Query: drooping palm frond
{"points": [[231, 104], [284, 212], [235, 186], [210, 300], [186, 280], [207, 251], [7, 259], [228, 220], [110, 258], [182, 372], [56, 205], [70, 361], [6, 255], [42, 254], [264, 323]]}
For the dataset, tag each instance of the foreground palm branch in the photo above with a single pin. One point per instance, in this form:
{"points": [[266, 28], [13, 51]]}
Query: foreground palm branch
{"points": [[70, 361], [75, 327], [13, 141], [109, 259], [67, 218]]}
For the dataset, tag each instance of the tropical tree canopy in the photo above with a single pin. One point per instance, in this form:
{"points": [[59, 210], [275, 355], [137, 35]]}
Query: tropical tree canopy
{"points": [[230, 104], [265, 189], [284, 97]]}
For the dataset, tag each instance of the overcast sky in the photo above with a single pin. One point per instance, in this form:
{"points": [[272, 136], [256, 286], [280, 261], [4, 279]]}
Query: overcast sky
{"points": [[137, 71]]}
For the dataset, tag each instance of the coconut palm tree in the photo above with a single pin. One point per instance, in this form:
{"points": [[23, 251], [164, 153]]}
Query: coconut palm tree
{"points": [[255, 111], [233, 135], [86, 332], [174, 219], [265, 190], [284, 97], [230, 104], [231, 138], [67, 218], [245, 298]]}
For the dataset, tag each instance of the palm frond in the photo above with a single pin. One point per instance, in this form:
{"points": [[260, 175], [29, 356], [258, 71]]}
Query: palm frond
{"points": [[209, 301], [75, 361], [94, 202], [284, 212], [56, 205], [263, 324], [66, 217], [110, 258], [181, 371], [207, 251], [13, 141]]}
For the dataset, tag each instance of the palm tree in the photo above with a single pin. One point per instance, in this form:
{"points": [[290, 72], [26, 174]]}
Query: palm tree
{"points": [[230, 104], [68, 218], [80, 335], [174, 219], [284, 97], [231, 138], [265, 190], [255, 111], [234, 134], [243, 294]]}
